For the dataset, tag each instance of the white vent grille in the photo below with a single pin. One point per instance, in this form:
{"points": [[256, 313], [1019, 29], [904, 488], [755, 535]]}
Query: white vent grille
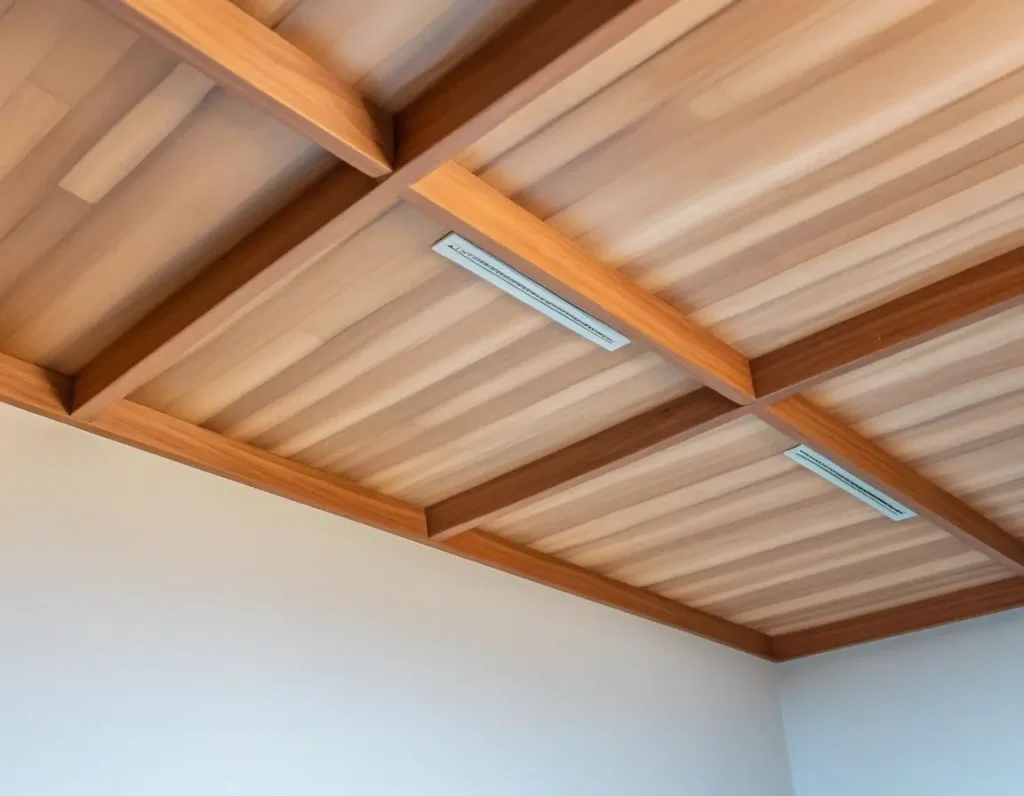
{"points": [[500, 274], [835, 474]]}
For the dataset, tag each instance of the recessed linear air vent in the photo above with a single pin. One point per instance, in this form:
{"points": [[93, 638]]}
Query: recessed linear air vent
{"points": [[835, 474], [500, 274]]}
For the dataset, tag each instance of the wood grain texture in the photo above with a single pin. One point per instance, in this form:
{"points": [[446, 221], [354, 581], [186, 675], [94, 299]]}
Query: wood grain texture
{"points": [[463, 201], [963, 298], [711, 176], [800, 418], [991, 598], [331, 212], [46, 393], [240, 53], [677, 420], [545, 44], [262, 260], [554, 572]]}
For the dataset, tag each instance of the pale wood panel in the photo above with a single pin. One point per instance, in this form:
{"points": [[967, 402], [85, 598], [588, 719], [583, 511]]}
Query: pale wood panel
{"points": [[930, 579], [83, 98], [954, 407], [726, 523], [600, 520], [781, 168], [388, 364], [392, 49]]}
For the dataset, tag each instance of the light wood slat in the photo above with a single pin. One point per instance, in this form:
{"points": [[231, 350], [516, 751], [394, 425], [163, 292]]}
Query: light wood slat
{"points": [[462, 200], [939, 308], [991, 598], [813, 426], [551, 571], [137, 134], [549, 45], [240, 53], [677, 420], [550, 41], [45, 393]]}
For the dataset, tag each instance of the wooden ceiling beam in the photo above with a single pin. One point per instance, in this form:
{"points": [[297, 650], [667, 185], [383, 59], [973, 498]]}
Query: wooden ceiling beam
{"points": [[978, 601], [800, 418], [459, 199], [45, 393], [681, 418], [245, 56], [549, 41], [964, 298]]}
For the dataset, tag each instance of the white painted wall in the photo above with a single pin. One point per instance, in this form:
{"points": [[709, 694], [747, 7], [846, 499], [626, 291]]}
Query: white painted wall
{"points": [[939, 713], [164, 632]]}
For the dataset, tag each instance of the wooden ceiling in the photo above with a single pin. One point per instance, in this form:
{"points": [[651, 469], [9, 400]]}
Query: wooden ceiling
{"points": [[216, 224]]}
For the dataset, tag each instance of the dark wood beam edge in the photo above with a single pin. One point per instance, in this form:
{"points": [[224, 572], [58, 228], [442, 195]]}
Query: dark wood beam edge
{"points": [[972, 295], [45, 393], [465, 203], [804, 421], [681, 418], [549, 44], [970, 603]]}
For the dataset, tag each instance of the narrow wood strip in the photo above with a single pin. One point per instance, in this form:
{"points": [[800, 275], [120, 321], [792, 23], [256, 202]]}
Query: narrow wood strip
{"points": [[545, 44], [494, 551], [45, 393], [241, 54], [546, 49], [464, 202], [958, 606], [939, 308], [808, 423], [681, 418]]}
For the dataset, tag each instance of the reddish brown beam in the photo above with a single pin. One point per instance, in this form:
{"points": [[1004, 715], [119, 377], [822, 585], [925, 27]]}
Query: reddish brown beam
{"points": [[967, 297], [239, 52], [682, 418], [559, 574], [545, 44], [464, 202], [552, 39], [798, 417], [45, 393], [933, 612]]}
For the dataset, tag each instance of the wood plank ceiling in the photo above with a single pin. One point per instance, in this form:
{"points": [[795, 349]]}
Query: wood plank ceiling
{"points": [[805, 215]]}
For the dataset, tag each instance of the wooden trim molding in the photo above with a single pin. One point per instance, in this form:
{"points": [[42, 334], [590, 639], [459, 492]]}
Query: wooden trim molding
{"points": [[467, 204], [991, 598], [551, 571], [45, 393], [804, 421], [552, 39], [967, 297], [243, 55], [681, 418]]}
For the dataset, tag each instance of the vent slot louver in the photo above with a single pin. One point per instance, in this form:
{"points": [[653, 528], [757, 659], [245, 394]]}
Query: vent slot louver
{"points": [[503, 276], [835, 474]]}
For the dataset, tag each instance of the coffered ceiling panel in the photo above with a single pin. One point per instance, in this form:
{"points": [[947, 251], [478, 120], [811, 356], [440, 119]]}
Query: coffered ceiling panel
{"points": [[786, 166]]}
